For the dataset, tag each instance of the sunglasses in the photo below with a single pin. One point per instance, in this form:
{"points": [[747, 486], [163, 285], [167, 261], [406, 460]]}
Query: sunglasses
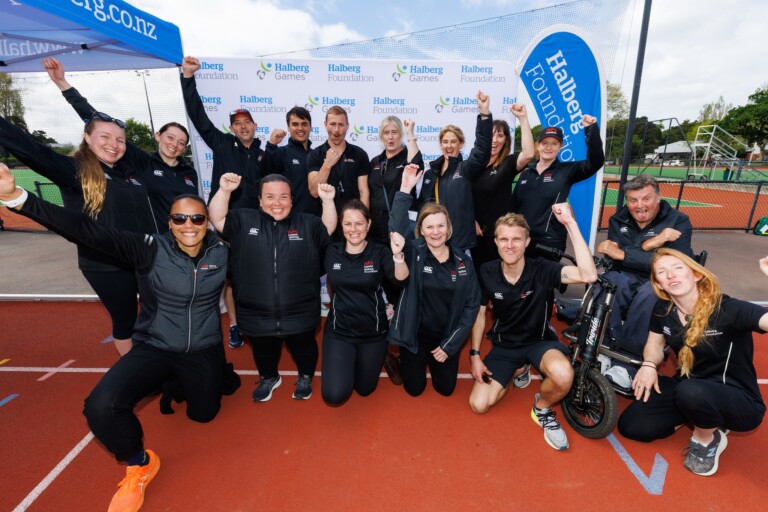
{"points": [[101, 116], [179, 219]]}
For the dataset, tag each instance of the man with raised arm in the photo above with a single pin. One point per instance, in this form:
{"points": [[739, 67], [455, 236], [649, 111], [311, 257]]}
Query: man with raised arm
{"points": [[520, 291]]}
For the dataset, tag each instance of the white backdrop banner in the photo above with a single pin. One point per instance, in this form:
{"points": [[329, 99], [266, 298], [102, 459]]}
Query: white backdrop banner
{"points": [[432, 93]]}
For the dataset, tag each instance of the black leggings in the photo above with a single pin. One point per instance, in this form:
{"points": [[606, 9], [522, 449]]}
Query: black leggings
{"points": [[266, 352], [702, 403], [413, 368], [117, 290], [349, 366], [109, 407]]}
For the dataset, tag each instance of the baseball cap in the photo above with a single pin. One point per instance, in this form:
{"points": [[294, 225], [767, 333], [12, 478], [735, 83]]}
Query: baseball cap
{"points": [[552, 131], [235, 113]]}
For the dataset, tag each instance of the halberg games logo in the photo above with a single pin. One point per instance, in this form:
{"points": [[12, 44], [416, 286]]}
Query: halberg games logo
{"points": [[357, 131], [326, 102], [417, 73], [283, 70], [459, 105]]}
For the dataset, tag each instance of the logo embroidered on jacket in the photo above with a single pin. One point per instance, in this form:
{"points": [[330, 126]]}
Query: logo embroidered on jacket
{"points": [[624, 229], [453, 276], [525, 294], [158, 172], [547, 178], [295, 161], [368, 268], [212, 266], [189, 182], [337, 266], [456, 175], [712, 332], [498, 296], [462, 268], [427, 269], [523, 182], [253, 231], [133, 181], [293, 234], [666, 331]]}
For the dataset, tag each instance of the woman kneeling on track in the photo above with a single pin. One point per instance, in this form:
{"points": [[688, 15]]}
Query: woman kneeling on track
{"points": [[177, 334], [715, 388], [439, 305], [355, 335]]}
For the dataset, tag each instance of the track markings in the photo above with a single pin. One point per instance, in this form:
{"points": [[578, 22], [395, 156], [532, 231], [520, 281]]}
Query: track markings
{"points": [[653, 483], [50, 477], [51, 373], [108, 339], [8, 399]]}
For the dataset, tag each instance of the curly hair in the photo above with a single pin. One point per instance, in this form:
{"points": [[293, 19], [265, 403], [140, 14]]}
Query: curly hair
{"points": [[707, 303]]}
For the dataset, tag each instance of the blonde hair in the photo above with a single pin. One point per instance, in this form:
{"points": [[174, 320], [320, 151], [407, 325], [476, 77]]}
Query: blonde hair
{"points": [[453, 129], [91, 175], [708, 301], [432, 209]]}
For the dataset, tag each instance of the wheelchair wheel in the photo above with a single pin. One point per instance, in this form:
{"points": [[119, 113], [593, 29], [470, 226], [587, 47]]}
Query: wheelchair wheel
{"points": [[596, 414]]}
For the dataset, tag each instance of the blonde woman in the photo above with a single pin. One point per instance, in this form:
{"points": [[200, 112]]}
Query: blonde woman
{"points": [[715, 389]]}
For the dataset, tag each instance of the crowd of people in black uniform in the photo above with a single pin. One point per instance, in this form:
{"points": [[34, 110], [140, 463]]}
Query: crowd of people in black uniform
{"points": [[413, 255]]}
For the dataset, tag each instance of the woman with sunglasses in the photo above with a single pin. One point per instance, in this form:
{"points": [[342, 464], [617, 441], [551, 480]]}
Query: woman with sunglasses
{"points": [[165, 173], [715, 388], [177, 335], [549, 182], [492, 192], [96, 181], [355, 335]]}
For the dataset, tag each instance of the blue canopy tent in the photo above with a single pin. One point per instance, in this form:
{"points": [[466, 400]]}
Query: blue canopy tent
{"points": [[84, 35]]}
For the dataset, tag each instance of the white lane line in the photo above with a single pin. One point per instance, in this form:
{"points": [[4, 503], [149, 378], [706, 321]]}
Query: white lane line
{"points": [[48, 480], [54, 372]]}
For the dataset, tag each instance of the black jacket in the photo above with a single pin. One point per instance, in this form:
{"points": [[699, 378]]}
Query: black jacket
{"points": [[623, 230], [229, 154], [179, 299], [384, 180], [126, 205], [535, 193], [454, 186], [291, 161], [465, 304], [276, 268], [163, 182]]}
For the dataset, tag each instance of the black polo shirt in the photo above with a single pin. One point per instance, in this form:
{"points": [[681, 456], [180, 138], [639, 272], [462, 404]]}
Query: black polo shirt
{"points": [[522, 310], [353, 163], [437, 289]]}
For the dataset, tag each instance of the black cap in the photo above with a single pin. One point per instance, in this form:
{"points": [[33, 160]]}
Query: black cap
{"points": [[552, 131], [235, 113]]}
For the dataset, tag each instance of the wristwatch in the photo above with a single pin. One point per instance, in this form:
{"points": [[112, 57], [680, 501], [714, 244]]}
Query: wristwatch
{"points": [[473, 352]]}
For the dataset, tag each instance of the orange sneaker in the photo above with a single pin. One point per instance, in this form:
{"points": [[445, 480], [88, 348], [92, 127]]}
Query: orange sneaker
{"points": [[130, 495]]}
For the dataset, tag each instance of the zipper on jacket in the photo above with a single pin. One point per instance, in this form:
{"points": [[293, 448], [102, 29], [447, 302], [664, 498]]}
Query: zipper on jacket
{"points": [[277, 287], [192, 299]]}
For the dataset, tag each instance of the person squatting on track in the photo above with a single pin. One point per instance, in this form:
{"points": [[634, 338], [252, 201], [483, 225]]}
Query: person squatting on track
{"points": [[439, 304], [165, 173], [634, 232], [97, 181], [549, 182], [276, 258], [337, 162], [177, 333], [492, 192], [715, 388], [238, 152], [448, 180], [355, 335], [520, 290]]}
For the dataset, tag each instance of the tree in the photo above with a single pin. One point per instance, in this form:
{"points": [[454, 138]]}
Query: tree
{"points": [[715, 110], [42, 137], [618, 108], [139, 134], [11, 106], [750, 121]]}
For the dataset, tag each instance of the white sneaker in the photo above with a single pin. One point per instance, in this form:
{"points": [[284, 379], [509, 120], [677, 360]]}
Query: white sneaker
{"points": [[619, 376]]}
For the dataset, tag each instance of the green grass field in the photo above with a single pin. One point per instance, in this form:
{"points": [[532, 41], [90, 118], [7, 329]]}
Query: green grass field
{"points": [[26, 178]]}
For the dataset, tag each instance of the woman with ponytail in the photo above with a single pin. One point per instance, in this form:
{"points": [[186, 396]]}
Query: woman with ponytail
{"points": [[715, 388], [96, 181]]}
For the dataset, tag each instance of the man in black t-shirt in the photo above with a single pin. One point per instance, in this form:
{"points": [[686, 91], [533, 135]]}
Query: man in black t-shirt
{"points": [[520, 290]]}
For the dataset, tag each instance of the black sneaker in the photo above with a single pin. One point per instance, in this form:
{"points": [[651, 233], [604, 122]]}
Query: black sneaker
{"points": [[303, 387], [235, 340], [265, 388], [702, 460]]}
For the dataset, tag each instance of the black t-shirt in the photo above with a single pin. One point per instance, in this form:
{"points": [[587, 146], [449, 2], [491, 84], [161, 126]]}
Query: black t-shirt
{"points": [[725, 354], [358, 308], [352, 164], [437, 288], [522, 310], [492, 193]]}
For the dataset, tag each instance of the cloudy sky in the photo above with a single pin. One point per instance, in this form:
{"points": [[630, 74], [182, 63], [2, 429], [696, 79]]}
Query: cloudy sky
{"points": [[697, 49]]}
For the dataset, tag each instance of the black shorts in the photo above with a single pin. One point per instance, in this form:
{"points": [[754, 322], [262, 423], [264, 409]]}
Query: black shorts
{"points": [[502, 362], [117, 291]]}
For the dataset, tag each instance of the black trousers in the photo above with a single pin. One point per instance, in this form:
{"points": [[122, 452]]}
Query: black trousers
{"points": [[413, 369], [266, 352], [349, 366], [702, 403], [109, 407]]}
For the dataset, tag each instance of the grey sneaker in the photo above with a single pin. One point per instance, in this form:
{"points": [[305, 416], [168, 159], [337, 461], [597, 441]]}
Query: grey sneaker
{"points": [[303, 387], [265, 388], [522, 380], [554, 434], [702, 460]]}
